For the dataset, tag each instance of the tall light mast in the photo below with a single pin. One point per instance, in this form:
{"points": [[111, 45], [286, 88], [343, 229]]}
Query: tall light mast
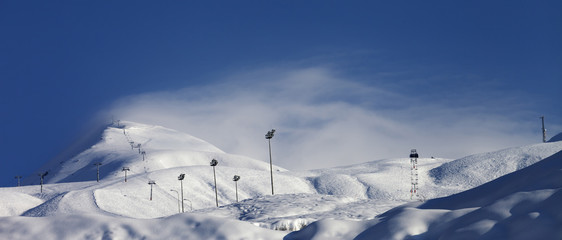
{"points": [[214, 163], [42, 176], [414, 173], [180, 178], [235, 179], [268, 136]]}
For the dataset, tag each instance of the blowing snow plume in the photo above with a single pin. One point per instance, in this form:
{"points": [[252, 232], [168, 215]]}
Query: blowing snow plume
{"points": [[323, 118]]}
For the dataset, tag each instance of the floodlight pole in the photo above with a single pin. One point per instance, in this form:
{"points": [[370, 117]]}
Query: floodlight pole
{"points": [[98, 167], [235, 179], [543, 130], [151, 183], [268, 136], [181, 177], [18, 178], [42, 175], [125, 169], [179, 210], [214, 163]]}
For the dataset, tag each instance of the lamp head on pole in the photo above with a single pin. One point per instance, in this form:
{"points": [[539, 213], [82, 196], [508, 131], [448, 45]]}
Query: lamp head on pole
{"points": [[269, 134], [214, 162], [181, 176], [236, 178], [414, 153]]}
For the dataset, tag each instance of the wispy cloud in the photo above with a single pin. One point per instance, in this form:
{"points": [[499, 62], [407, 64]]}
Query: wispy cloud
{"points": [[325, 118]]}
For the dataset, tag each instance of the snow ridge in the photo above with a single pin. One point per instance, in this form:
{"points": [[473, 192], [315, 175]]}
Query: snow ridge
{"points": [[475, 170]]}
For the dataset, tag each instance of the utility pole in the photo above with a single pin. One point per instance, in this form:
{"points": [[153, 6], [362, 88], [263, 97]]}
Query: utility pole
{"points": [[42, 175], [235, 179], [268, 136], [98, 169], [125, 169], [181, 177], [18, 178], [214, 163], [151, 183], [543, 130]]}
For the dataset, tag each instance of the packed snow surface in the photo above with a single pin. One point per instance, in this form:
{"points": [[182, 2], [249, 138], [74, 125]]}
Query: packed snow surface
{"points": [[335, 203]]}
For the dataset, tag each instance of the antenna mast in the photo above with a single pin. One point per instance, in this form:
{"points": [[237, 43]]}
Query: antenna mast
{"points": [[543, 130]]}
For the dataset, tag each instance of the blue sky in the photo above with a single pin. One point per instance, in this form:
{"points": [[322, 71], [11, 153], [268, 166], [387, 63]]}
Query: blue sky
{"points": [[450, 77]]}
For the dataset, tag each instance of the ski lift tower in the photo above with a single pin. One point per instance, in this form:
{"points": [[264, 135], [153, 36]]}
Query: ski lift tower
{"points": [[125, 169], [414, 173]]}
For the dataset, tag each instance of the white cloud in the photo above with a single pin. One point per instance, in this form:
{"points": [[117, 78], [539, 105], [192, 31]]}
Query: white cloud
{"points": [[323, 119]]}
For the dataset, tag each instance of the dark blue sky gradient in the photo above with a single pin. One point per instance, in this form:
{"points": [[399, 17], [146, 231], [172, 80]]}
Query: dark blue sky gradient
{"points": [[61, 62]]}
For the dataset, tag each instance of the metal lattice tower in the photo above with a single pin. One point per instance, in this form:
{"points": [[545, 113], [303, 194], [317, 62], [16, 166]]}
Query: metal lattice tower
{"points": [[414, 173]]}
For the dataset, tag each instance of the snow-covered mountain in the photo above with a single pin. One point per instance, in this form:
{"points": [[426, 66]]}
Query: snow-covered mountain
{"points": [[356, 193], [141, 148]]}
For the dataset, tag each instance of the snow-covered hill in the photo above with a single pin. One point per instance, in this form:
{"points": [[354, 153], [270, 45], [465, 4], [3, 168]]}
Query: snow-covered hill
{"points": [[521, 205], [350, 193], [475, 170], [141, 148]]}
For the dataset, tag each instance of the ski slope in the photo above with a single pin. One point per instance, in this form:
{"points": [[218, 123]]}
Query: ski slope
{"points": [[336, 202]]}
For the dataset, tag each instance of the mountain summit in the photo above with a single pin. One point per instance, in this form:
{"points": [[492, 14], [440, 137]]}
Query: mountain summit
{"points": [[140, 148]]}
